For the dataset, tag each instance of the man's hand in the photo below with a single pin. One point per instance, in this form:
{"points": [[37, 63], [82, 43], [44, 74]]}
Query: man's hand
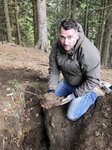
{"points": [[99, 91], [50, 100], [68, 99]]}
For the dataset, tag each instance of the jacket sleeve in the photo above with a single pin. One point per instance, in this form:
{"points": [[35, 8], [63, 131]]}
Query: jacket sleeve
{"points": [[54, 71], [90, 66]]}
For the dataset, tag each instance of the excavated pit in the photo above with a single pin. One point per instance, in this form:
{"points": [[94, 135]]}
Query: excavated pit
{"points": [[24, 125]]}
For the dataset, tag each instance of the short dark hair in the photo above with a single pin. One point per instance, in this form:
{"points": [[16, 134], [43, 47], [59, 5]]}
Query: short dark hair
{"points": [[68, 24]]}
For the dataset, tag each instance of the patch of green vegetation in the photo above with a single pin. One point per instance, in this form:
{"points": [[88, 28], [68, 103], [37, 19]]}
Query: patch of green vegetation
{"points": [[16, 85]]}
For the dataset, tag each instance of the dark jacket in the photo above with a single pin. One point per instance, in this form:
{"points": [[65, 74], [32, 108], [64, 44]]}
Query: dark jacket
{"points": [[80, 66]]}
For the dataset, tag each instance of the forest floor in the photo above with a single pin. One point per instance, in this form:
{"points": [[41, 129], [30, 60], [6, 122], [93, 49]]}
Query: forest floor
{"points": [[20, 69]]}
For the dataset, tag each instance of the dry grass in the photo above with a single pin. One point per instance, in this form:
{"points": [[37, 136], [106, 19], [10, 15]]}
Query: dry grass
{"points": [[106, 74]]}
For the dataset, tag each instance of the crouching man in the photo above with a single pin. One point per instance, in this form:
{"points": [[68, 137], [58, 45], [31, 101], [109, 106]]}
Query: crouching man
{"points": [[78, 60]]}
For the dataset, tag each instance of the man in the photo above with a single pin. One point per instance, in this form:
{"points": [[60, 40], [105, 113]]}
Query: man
{"points": [[78, 60]]}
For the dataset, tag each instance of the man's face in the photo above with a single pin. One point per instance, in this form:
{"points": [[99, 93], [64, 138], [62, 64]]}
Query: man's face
{"points": [[68, 38]]}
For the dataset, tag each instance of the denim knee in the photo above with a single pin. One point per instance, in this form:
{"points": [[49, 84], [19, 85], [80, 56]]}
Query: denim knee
{"points": [[71, 117], [80, 105], [93, 96]]}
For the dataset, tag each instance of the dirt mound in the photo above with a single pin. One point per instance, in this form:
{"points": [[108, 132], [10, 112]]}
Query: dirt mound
{"points": [[14, 56], [92, 131]]}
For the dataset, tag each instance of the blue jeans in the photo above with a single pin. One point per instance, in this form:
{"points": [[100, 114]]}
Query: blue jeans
{"points": [[78, 106]]}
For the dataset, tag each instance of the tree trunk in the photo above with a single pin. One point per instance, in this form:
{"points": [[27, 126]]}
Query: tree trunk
{"points": [[99, 39], [71, 9], [34, 4], [18, 37], [8, 26], [73, 15], [87, 17], [107, 38], [3, 33], [106, 49], [42, 26]]}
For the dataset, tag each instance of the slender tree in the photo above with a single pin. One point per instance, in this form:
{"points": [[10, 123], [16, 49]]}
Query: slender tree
{"points": [[35, 19], [18, 38], [2, 22], [86, 18], [105, 55], [71, 9], [8, 26], [34, 4], [42, 42], [102, 19]]}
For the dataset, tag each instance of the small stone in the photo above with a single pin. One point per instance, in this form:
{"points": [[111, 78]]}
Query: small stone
{"points": [[8, 89], [10, 94], [104, 125], [36, 114], [97, 133], [105, 114], [5, 109]]}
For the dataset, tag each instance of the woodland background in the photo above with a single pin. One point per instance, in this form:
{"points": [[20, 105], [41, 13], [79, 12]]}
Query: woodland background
{"points": [[34, 23]]}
